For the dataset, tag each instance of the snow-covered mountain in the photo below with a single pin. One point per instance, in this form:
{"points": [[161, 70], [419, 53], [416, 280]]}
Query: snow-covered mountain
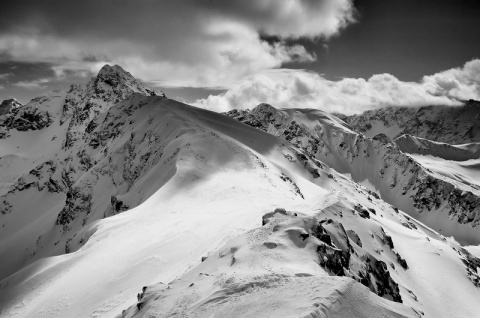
{"points": [[116, 202], [454, 125], [50, 156], [416, 145], [443, 201]]}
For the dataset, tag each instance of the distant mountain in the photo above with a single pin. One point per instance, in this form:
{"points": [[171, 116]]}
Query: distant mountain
{"points": [[448, 124], [416, 145], [115, 201]]}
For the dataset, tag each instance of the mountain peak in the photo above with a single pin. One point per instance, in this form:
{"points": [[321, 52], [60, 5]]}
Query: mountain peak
{"points": [[9, 105], [114, 72], [119, 79]]}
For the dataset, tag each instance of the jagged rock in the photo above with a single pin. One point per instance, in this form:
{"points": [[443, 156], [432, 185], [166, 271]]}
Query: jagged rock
{"points": [[84, 102], [278, 211], [340, 258], [401, 261], [354, 237], [5, 207], [362, 211], [28, 118], [117, 205], [9, 106], [77, 202], [381, 138]]}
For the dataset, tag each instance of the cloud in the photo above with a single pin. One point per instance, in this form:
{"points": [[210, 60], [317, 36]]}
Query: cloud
{"points": [[35, 84], [4, 76], [458, 83], [287, 88], [194, 43]]}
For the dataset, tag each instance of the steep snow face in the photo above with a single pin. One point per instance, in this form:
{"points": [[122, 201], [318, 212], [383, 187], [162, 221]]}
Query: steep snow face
{"points": [[449, 124], [416, 145], [398, 178]]}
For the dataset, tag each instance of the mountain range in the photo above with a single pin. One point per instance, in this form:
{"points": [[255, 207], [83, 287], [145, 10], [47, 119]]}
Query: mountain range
{"points": [[116, 201]]}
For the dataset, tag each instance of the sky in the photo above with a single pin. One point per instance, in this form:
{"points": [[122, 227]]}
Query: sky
{"points": [[336, 55]]}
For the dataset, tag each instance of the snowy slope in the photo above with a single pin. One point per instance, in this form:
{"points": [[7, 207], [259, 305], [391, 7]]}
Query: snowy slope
{"points": [[121, 190], [286, 268], [378, 164], [170, 142]]}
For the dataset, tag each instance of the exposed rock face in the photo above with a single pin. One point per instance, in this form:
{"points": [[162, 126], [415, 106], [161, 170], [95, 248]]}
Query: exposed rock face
{"points": [[23, 118], [85, 102], [9, 106], [454, 125], [399, 179], [84, 121], [342, 257]]}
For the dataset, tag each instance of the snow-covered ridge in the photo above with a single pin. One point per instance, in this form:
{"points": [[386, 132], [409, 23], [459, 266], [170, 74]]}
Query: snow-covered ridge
{"points": [[398, 178], [293, 264], [417, 145], [448, 124]]}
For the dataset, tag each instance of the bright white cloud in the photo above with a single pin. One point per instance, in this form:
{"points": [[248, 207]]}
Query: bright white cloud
{"points": [[185, 43], [287, 88]]}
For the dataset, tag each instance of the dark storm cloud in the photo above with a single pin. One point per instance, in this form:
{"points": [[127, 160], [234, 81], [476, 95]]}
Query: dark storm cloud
{"points": [[176, 43]]}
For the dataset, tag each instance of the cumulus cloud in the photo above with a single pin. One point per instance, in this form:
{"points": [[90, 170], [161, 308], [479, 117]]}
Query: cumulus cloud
{"points": [[286, 88], [193, 43]]}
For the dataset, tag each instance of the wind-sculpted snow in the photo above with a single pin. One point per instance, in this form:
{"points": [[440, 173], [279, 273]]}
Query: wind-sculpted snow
{"points": [[292, 266], [447, 124], [399, 179], [314, 265]]}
